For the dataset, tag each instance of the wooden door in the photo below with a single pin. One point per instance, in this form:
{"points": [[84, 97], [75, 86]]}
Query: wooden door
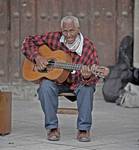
{"points": [[105, 22]]}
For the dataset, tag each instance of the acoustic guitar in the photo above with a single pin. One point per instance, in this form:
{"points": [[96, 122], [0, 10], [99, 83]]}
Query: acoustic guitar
{"points": [[60, 64]]}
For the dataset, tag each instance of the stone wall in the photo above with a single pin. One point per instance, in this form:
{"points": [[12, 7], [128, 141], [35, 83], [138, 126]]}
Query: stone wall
{"points": [[29, 91], [21, 91], [136, 34]]}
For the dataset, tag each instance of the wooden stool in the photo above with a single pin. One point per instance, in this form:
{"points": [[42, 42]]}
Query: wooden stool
{"points": [[67, 110], [5, 112]]}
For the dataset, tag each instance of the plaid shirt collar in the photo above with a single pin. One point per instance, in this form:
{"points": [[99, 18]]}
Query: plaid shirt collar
{"points": [[80, 48]]}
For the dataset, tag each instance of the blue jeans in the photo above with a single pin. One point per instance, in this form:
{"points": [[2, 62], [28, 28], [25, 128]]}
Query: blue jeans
{"points": [[48, 96]]}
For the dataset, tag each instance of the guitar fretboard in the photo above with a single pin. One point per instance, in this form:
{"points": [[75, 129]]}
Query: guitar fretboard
{"points": [[63, 65]]}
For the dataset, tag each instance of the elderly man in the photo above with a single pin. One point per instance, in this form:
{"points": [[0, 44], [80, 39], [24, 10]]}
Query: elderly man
{"points": [[81, 82]]}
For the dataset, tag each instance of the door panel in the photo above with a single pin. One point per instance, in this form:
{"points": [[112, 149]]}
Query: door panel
{"points": [[4, 41], [102, 29], [125, 9], [105, 22], [48, 15], [14, 55], [82, 13]]}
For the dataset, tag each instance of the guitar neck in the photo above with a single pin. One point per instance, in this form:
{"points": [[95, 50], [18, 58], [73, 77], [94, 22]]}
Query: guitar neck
{"points": [[98, 71], [66, 66]]}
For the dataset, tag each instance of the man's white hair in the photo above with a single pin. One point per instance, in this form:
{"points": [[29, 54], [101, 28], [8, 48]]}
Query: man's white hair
{"points": [[73, 18]]}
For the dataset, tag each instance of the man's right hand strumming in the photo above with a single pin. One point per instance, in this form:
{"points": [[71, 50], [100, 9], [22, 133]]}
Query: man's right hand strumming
{"points": [[41, 62]]}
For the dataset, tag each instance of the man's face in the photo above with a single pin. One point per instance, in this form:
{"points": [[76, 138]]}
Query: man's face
{"points": [[70, 31]]}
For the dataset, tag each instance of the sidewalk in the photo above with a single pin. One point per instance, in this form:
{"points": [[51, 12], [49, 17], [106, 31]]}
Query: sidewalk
{"points": [[115, 128]]}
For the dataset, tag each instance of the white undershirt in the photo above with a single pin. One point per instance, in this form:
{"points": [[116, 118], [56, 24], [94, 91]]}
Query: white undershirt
{"points": [[76, 46]]}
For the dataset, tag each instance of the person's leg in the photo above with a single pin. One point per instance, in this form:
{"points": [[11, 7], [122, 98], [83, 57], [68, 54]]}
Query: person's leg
{"points": [[85, 106], [48, 96]]}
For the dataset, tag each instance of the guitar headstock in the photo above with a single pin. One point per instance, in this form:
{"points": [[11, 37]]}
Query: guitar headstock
{"points": [[100, 71]]}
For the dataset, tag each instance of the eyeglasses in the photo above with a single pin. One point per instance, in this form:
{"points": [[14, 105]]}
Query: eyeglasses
{"points": [[67, 32]]}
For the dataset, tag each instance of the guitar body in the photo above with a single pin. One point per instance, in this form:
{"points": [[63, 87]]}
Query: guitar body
{"points": [[57, 74]]}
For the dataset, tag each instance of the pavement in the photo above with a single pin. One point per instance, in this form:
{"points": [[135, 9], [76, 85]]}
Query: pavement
{"points": [[114, 128]]}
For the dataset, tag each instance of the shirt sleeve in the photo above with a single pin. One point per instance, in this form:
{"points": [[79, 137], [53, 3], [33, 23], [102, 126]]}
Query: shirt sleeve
{"points": [[31, 44], [94, 60]]}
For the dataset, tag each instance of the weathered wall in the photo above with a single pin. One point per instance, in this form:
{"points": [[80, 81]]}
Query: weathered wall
{"points": [[104, 21], [136, 34]]}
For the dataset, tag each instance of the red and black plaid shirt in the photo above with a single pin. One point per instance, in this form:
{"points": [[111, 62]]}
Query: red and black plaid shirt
{"points": [[52, 40]]}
